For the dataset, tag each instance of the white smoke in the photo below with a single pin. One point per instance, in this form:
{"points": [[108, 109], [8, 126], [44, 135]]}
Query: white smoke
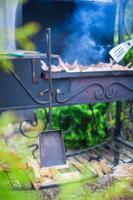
{"points": [[80, 44]]}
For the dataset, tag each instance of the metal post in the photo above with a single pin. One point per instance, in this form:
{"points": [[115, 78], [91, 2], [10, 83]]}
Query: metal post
{"points": [[48, 38], [122, 4]]}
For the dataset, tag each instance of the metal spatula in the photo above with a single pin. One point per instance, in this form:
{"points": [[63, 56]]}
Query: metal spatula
{"points": [[118, 52]]}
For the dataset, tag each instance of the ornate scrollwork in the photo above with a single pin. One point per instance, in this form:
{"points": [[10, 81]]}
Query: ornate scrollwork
{"points": [[111, 90], [35, 148], [99, 93], [33, 123]]}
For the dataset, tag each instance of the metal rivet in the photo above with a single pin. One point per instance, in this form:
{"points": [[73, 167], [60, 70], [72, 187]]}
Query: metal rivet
{"points": [[41, 93], [58, 91]]}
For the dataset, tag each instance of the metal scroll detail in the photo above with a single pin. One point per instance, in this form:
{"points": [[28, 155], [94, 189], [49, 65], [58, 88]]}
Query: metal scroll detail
{"points": [[100, 92], [28, 91], [34, 148], [22, 127], [33, 124], [111, 90]]}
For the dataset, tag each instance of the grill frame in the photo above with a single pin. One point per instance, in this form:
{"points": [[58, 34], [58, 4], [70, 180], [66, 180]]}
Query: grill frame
{"points": [[67, 88], [115, 139]]}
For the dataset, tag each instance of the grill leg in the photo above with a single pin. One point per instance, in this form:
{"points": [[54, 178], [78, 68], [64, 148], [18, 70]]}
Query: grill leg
{"points": [[122, 7], [117, 130]]}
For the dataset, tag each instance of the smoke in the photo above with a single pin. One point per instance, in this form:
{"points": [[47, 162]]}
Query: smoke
{"points": [[85, 41]]}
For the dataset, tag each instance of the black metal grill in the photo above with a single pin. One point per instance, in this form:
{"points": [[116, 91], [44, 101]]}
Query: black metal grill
{"points": [[27, 87], [68, 89]]}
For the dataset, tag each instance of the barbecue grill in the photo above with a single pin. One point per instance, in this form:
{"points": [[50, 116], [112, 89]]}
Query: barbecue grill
{"points": [[27, 86]]}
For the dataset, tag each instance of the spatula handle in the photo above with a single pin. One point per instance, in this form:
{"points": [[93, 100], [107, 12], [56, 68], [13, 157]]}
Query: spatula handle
{"points": [[48, 40], [131, 42]]}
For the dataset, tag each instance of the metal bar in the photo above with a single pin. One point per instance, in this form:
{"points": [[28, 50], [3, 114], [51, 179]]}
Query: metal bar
{"points": [[103, 156], [117, 128], [116, 150], [118, 119], [48, 38], [49, 186], [97, 152], [124, 146], [118, 104], [105, 151], [88, 149], [126, 143]]}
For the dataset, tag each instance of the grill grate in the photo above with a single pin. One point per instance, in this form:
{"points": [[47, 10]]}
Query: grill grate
{"points": [[108, 150], [111, 150]]}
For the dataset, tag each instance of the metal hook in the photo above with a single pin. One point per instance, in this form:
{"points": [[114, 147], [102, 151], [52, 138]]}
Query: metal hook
{"points": [[33, 123], [36, 147]]}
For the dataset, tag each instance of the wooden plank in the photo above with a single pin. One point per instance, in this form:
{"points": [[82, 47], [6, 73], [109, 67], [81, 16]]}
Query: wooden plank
{"points": [[87, 164], [64, 178], [76, 164], [83, 160]]}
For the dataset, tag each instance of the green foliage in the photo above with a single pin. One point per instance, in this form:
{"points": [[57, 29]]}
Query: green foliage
{"points": [[13, 174], [6, 65], [86, 129], [121, 189], [5, 119], [41, 115], [12, 170], [24, 33], [129, 58], [19, 195], [23, 36], [86, 123]]}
